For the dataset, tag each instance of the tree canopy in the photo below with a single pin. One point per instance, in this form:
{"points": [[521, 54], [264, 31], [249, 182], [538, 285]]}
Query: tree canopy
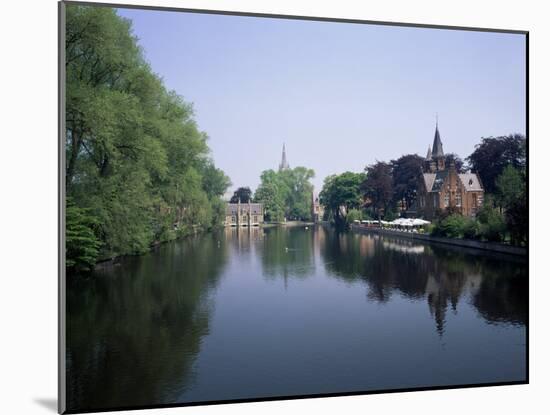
{"points": [[455, 158], [242, 194], [512, 196], [342, 193], [406, 172], [138, 168], [378, 187], [493, 154], [286, 193]]}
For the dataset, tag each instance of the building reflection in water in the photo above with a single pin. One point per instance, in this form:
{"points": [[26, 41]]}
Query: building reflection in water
{"points": [[441, 276], [137, 330]]}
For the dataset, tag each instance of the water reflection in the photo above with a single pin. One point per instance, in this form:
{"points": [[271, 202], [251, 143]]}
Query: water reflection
{"points": [[288, 253], [204, 318], [442, 276], [134, 329]]}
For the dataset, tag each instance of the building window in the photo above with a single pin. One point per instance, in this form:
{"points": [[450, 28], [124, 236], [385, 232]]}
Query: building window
{"points": [[435, 201], [474, 200], [255, 219], [458, 199], [447, 199], [479, 200], [233, 219]]}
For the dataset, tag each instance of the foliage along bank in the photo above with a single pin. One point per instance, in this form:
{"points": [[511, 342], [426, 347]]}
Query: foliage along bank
{"points": [[286, 194], [138, 169], [385, 189]]}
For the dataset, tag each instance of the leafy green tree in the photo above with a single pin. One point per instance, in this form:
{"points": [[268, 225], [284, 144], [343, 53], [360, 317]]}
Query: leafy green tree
{"points": [[509, 186], [512, 197], [286, 193], [492, 226], [378, 188], [136, 160], [491, 157], [214, 180], [242, 194], [458, 162], [268, 193], [517, 219], [300, 190], [353, 215], [81, 241], [340, 194], [406, 171]]}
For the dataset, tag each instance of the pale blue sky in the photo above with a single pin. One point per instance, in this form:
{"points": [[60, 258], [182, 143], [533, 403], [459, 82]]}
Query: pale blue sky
{"points": [[340, 95]]}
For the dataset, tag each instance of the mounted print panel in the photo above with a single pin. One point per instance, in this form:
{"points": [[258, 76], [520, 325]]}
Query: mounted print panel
{"points": [[262, 207]]}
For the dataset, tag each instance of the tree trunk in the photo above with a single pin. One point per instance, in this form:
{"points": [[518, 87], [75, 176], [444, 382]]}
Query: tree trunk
{"points": [[71, 163]]}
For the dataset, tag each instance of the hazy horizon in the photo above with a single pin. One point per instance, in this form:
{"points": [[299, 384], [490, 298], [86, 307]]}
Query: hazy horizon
{"points": [[340, 96]]}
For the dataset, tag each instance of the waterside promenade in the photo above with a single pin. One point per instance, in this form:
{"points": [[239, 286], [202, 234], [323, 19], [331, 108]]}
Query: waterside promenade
{"points": [[488, 246]]}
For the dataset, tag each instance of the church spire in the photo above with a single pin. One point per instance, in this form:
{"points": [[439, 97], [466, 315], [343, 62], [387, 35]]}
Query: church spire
{"points": [[437, 147], [429, 155], [284, 164]]}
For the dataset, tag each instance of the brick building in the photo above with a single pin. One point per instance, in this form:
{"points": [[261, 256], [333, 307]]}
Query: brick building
{"points": [[441, 186]]}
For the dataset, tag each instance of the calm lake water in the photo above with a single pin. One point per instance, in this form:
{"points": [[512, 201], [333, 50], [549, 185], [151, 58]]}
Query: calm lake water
{"points": [[278, 312]]}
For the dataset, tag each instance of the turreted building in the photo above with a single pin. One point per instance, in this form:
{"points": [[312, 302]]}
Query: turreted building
{"points": [[441, 187]]}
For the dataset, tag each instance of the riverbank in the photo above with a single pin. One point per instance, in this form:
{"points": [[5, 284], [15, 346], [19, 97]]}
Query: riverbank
{"points": [[487, 246], [287, 223], [113, 261]]}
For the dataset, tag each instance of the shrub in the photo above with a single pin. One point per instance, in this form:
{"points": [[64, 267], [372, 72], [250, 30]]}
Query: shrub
{"points": [[430, 229], [82, 245], [494, 230], [390, 215], [353, 214], [451, 227], [492, 225], [517, 220], [471, 229]]}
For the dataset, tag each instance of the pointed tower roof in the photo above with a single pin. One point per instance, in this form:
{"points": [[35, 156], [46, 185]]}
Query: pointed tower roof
{"points": [[429, 155], [437, 147], [284, 164]]}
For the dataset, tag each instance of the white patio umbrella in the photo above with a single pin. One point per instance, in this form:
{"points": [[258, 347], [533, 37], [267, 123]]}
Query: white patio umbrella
{"points": [[407, 222], [420, 222], [401, 222]]}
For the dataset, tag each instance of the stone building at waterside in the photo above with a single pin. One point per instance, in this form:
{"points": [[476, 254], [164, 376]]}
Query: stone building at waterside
{"points": [[441, 187], [244, 214]]}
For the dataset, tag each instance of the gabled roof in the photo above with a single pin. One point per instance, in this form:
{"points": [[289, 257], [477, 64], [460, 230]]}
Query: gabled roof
{"points": [[434, 181], [428, 180], [471, 182], [439, 179]]}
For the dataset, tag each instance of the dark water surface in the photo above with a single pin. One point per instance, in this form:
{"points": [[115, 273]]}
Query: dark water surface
{"points": [[271, 312]]}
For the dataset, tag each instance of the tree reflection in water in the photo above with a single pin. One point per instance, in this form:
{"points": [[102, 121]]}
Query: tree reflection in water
{"points": [[120, 325], [495, 285], [288, 252], [203, 318]]}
